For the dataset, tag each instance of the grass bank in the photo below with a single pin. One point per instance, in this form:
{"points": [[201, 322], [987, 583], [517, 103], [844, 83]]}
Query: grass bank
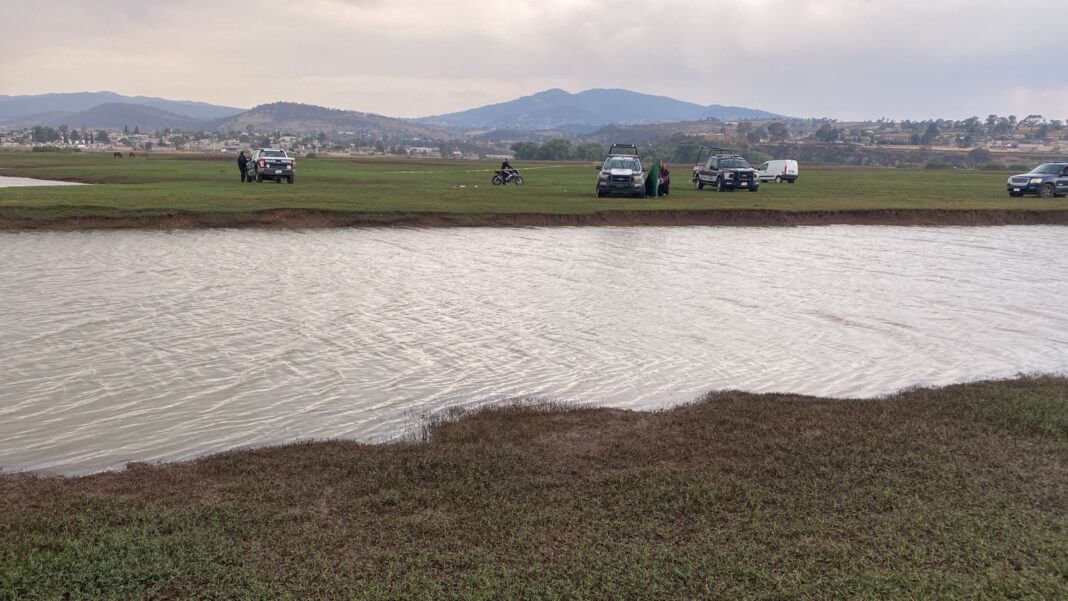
{"points": [[177, 191], [953, 493]]}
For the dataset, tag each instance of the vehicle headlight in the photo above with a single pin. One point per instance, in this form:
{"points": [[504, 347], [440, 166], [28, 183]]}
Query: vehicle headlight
{"points": [[1036, 180], [729, 176]]}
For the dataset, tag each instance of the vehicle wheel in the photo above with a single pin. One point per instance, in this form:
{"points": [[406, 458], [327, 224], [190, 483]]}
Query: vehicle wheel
{"points": [[790, 181], [259, 178], [698, 184], [599, 193], [497, 180], [290, 179], [720, 186], [1047, 191], [518, 180], [778, 179]]}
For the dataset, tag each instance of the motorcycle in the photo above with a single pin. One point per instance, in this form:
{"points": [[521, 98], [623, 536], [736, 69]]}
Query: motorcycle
{"points": [[506, 177]]}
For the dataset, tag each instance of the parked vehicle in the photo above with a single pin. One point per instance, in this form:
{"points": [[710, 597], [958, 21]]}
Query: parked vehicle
{"points": [[778, 170], [271, 164], [1045, 181], [724, 170], [621, 173], [507, 176]]}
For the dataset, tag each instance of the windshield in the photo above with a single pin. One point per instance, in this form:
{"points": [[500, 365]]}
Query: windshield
{"points": [[273, 154], [1049, 169], [733, 164], [621, 163]]}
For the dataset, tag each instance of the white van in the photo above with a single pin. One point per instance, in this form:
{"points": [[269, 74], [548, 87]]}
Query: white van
{"points": [[784, 170]]}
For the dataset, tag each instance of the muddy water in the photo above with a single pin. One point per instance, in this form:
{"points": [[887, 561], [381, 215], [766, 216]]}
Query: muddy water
{"points": [[133, 345]]}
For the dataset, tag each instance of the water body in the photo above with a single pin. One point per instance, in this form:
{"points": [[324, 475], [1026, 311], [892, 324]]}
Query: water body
{"points": [[136, 345], [22, 182]]}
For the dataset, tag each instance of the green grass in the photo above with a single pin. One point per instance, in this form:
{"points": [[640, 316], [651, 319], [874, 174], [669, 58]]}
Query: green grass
{"points": [[952, 493], [161, 184]]}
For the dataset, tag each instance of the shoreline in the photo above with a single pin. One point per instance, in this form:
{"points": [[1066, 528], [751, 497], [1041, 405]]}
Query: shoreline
{"points": [[736, 494], [317, 218]]}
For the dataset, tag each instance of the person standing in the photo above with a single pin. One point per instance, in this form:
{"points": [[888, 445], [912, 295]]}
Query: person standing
{"points": [[242, 166], [665, 180]]}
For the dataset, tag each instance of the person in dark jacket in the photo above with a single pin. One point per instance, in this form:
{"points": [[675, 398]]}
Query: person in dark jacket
{"points": [[506, 169], [665, 180], [242, 165]]}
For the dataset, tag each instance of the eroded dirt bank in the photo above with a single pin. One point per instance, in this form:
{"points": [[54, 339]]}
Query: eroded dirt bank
{"points": [[308, 218]]}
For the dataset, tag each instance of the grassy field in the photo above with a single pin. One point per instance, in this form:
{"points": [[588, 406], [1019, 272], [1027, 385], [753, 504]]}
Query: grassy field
{"points": [[954, 493], [161, 184]]}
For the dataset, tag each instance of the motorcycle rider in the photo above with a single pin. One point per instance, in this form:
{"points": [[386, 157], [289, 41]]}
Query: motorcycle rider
{"points": [[506, 169]]}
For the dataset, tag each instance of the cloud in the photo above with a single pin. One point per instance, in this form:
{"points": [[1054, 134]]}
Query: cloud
{"points": [[841, 58]]}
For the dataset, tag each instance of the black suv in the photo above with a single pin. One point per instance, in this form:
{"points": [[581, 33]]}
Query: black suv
{"points": [[721, 168], [1045, 181]]}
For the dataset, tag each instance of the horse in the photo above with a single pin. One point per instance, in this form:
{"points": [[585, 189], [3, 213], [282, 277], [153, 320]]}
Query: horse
{"points": [[116, 155], [131, 155]]}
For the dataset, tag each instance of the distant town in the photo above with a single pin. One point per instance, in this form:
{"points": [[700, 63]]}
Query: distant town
{"points": [[551, 125]]}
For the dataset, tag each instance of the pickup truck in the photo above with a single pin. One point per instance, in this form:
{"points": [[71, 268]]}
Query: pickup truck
{"points": [[621, 173], [725, 171], [271, 164]]}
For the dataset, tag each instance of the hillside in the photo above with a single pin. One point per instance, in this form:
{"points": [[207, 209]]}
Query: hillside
{"points": [[586, 111], [117, 115], [294, 117], [24, 108]]}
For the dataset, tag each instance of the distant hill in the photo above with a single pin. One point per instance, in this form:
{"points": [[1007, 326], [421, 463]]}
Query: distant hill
{"points": [[21, 108], [586, 111], [116, 115], [294, 117]]}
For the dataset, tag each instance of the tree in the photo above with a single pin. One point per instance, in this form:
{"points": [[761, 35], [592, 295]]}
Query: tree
{"points": [[778, 131], [930, 135], [556, 150], [591, 151], [137, 131], [828, 133], [102, 137], [756, 134], [980, 156], [44, 134], [526, 151], [125, 130], [743, 127]]}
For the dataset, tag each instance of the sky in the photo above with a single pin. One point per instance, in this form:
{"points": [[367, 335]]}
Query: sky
{"points": [[845, 59]]}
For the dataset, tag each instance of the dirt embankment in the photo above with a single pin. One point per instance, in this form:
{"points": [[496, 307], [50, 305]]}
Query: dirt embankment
{"points": [[308, 218]]}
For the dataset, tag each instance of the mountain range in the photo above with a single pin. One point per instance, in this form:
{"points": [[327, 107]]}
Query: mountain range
{"points": [[549, 111], [587, 111], [53, 106]]}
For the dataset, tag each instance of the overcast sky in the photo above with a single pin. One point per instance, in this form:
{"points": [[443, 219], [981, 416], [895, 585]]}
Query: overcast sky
{"points": [[848, 59]]}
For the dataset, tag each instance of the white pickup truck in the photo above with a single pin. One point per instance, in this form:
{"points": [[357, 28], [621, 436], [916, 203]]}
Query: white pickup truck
{"points": [[271, 163]]}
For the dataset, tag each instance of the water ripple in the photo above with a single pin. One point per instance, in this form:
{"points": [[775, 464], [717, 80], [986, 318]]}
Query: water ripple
{"points": [[124, 346]]}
